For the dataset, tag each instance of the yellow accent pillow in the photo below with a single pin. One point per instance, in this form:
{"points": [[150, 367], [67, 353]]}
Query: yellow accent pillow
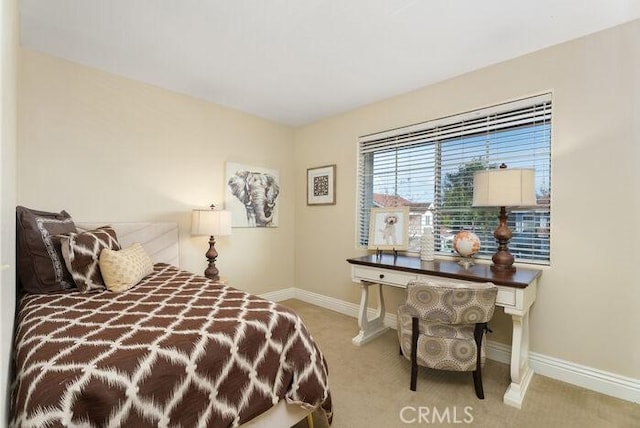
{"points": [[125, 268]]}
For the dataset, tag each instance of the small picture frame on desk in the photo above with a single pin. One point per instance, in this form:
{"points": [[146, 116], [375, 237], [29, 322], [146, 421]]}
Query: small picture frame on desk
{"points": [[389, 229]]}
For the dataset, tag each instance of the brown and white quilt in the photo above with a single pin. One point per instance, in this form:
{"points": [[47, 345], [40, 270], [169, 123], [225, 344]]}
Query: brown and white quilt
{"points": [[177, 350]]}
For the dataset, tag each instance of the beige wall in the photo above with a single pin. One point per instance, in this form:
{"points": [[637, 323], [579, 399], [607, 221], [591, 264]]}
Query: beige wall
{"points": [[588, 307], [107, 148], [8, 46]]}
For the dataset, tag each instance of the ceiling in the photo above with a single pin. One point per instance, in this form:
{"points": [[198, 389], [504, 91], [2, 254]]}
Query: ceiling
{"points": [[298, 61]]}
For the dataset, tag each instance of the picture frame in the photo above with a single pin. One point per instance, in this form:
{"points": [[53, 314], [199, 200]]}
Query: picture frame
{"points": [[251, 194], [389, 228], [321, 185]]}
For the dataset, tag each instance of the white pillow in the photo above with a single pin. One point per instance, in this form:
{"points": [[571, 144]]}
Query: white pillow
{"points": [[125, 268]]}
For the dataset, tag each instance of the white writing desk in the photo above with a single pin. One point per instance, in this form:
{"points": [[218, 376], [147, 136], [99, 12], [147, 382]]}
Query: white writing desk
{"points": [[516, 294]]}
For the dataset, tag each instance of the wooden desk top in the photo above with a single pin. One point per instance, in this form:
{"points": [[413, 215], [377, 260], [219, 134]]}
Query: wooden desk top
{"points": [[520, 278]]}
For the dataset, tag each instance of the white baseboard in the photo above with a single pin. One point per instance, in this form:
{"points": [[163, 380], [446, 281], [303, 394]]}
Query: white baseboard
{"points": [[590, 378], [280, 295], [566, 371], [597, 380], [499, 352]]}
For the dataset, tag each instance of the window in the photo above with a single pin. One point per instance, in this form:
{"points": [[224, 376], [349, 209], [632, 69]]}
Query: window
{"points": [[429, 168]]}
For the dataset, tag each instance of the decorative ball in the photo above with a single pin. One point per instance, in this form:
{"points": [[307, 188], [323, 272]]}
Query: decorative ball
{"points": [[466, 243]]}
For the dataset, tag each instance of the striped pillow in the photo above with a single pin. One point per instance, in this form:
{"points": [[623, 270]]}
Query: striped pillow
{"points": [[40, 265]]}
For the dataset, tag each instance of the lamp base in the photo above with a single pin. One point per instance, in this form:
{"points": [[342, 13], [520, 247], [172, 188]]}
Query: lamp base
{"points": [[502, 268], [212, 271], [502, 259]]}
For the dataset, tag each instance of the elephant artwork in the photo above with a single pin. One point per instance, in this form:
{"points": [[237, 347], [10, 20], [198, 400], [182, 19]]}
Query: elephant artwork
{"points": [[257, 191]]}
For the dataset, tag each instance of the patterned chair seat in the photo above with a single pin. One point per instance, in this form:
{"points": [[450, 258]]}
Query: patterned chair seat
{"points": [[442, 326]]}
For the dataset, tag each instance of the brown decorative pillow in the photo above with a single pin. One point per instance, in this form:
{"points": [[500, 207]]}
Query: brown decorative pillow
{"points": [[41, 268], [81, 252]]}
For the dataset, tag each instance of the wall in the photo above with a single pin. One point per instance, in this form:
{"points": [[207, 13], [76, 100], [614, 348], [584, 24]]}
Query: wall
{"points": [[588, 307], [107, 148], [8, 44]]}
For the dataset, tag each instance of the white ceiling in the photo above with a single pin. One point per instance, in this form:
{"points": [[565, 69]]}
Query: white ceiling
{"points": [[297, 61]]}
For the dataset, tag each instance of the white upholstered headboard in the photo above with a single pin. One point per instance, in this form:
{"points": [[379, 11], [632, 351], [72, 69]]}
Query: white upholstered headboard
{"points": [[160, 240]]}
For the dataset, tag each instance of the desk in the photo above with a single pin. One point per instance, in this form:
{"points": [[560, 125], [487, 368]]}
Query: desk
{"points": [[516, 294]]}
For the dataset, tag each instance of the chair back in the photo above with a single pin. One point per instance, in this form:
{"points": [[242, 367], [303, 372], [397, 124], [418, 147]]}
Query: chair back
{"points": [[451, 303]]}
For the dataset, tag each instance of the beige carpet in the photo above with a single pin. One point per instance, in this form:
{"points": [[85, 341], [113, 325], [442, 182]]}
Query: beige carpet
{"points": [[370, 388]]}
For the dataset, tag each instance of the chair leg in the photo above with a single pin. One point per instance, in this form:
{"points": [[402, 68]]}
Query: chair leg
{"points": [[477, 374], [414, 353], [477, 383]]}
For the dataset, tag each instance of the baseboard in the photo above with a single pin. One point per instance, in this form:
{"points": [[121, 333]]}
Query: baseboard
{"points": [[341, 306], [587, 377], [499, 352], [280, 295], [590, 378]]}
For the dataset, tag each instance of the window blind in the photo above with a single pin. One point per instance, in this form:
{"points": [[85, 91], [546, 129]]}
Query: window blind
{"points": [[429, 168]]}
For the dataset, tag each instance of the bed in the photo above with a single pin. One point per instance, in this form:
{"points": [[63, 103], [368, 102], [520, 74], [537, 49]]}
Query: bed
{"points": [[175, 349]]}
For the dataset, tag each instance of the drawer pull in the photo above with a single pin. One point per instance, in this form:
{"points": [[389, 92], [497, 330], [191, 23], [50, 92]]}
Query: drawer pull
{"points": [[381, 276]]}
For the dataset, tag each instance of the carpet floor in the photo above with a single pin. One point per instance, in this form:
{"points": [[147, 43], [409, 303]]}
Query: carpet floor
{"points": [[370, 388]]}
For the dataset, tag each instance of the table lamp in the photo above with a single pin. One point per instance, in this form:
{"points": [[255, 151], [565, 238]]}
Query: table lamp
{"points": [[213, 223], [504, 187]]}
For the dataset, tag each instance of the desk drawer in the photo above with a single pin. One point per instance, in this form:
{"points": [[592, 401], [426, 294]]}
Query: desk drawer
{"points": [[382, 276], [506, 296]]}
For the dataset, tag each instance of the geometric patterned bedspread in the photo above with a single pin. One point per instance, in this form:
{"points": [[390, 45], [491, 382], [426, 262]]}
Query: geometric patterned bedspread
{"points": [[177, 350]]}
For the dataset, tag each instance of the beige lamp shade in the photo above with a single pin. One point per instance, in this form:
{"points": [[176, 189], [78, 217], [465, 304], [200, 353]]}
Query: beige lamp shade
{"points": [[504, 187], [211, 222]]}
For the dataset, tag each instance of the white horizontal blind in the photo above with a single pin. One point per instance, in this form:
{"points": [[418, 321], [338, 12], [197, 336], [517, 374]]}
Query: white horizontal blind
{"points": [[429, 167]]}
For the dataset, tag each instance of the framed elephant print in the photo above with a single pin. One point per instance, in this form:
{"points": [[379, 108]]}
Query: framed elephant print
{"points": [[389, 229], [321, 185], [252, 195]]}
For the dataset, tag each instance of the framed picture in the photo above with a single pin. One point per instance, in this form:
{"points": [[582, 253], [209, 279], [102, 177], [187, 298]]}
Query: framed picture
{"points": [[389, 228], [252, 195], [321, 185]]}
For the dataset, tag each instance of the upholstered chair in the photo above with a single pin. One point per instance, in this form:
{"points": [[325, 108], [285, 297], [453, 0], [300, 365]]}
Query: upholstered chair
{"points": [[442, 324]]}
